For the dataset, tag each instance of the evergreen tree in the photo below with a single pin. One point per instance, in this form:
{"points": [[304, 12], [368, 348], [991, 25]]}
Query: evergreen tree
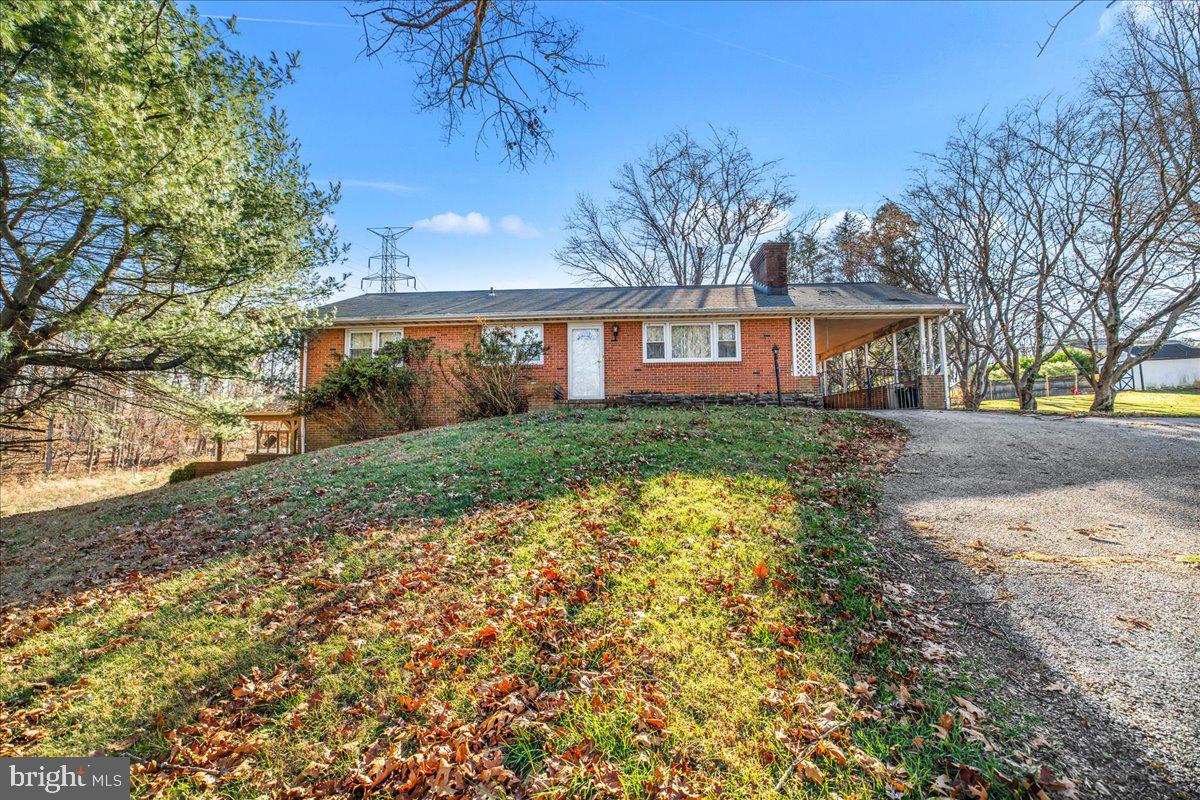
{"points": [[155, 217]]}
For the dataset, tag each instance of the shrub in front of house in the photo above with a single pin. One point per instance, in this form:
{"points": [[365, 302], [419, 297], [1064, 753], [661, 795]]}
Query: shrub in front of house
{"points": [[361, 395], [488, 378]]}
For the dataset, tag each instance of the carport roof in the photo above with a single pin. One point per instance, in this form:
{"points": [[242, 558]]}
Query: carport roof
{"points": [[636, 301]]}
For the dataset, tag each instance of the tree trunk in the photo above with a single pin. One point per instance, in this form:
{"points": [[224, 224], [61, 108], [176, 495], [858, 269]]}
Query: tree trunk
{"points": [[969, 399], [1026, 396], [1104, 398], [50, 445]]}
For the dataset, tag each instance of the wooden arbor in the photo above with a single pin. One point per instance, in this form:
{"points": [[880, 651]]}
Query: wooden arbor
{"points": [[276, 433]]}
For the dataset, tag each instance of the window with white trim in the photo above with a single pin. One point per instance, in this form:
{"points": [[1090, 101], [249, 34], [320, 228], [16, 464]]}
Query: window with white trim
{"points": [[522, 333], [361, 342], [720, 340]]}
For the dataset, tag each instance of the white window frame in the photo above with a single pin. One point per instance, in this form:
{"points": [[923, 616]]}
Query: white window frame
{"points": [[668, 357], [541, 359], [374, 337]]}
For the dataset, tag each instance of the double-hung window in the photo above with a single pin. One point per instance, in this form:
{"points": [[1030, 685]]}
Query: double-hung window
{"points": [[524, 333], [692, 341], [367, 342]]}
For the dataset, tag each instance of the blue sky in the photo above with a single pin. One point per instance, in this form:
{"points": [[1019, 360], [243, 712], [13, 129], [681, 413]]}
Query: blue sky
{"points": [[846, 95]]}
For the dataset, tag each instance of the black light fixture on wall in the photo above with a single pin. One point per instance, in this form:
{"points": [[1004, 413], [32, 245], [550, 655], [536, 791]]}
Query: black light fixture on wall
{"points": [[615, 329]]}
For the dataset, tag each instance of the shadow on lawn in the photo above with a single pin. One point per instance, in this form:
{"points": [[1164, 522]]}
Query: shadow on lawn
{"points": [[428, 474], [670, 534], [126, 628]]}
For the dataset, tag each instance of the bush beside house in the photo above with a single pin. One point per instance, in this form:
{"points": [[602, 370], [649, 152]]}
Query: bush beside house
{"points": [[390, 391], [373, 395], [489, 379]]}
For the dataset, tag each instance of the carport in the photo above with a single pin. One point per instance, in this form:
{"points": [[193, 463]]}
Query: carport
{"points": [[885, 361]]}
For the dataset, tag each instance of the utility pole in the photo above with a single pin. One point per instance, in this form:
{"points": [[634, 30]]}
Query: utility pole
{"points": [[387, 263]]}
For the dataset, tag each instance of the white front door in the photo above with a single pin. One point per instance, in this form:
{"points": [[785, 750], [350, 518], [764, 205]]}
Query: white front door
{"points": [[585, 362]]}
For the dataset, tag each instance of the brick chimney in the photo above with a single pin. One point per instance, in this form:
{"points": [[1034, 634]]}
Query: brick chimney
{"points": [[768, 266]]}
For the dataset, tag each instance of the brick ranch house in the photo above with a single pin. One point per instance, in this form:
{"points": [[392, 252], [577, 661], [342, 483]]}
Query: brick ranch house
{"points": [[652, 344]]}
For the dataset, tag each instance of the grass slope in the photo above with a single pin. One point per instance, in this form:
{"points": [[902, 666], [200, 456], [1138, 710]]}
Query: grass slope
{"points": [[1172, 404], [646, 603], [36, 493]]}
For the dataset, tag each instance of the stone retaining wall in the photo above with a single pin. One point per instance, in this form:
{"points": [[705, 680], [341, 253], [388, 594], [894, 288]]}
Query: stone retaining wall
{"points": [[793, 399]]}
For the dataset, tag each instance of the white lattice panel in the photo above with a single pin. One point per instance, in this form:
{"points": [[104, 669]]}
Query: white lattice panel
{"points": [[804, 346]]}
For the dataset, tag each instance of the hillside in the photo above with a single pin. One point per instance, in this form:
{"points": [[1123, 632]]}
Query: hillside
{"points": [[650, 603]]}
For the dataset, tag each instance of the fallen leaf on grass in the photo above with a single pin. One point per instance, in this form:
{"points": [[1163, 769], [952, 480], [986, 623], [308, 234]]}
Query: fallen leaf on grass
{"points": [[812, 772]]}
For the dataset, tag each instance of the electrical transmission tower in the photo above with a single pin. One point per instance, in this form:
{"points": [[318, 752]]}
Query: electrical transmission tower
{"points": [[386, 268]]}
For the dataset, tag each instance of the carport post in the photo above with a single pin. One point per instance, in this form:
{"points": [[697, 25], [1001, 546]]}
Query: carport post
{"points": [[895, 359], [924, 345], [942, 347]]}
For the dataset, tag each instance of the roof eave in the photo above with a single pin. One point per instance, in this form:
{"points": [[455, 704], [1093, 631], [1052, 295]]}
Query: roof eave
{"points": [[782, 311]]}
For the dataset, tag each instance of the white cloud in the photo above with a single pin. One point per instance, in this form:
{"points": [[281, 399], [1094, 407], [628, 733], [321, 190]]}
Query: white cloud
{"points": [[383, 186], [780, 221], [518, 227], [1142, 11], [473, 224], [1108, 18], [829, 223]]}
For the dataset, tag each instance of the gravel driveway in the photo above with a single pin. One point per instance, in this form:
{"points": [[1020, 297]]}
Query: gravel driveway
{"points": [[1056, 544]]}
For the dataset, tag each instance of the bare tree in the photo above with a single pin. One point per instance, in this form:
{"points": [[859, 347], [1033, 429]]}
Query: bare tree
{"points": [[498, 59], [688, 213], [944, 266], [1138, 262], [808, 260], [1043, 205], [1002, 215]]}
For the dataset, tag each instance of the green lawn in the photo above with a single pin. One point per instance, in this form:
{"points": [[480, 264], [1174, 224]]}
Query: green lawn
{"points": [[644, 603], [1175, 404]]}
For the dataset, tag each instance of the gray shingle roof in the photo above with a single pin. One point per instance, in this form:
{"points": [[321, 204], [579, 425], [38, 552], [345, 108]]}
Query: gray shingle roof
{"points": [[1169, 350], [640, 301]]}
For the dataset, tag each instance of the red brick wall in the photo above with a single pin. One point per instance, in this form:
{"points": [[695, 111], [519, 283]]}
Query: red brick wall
{"points": [[624, 370], [933, 391]]}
